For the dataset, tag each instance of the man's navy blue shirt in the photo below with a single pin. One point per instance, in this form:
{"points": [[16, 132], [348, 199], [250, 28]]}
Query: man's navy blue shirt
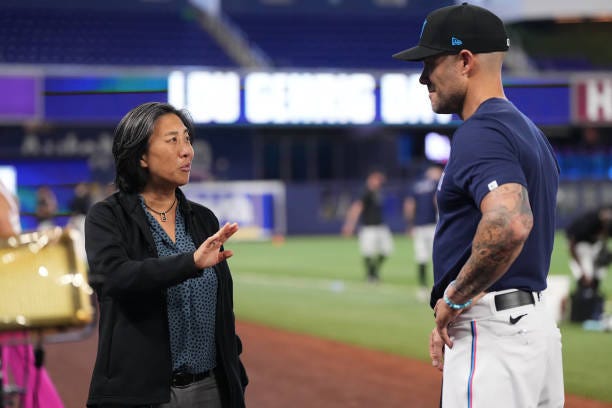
{"points": [[423, 193], [495, 146]]}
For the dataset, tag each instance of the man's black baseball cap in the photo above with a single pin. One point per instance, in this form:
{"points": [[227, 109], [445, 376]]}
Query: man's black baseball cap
{"points": [[451, 29]]}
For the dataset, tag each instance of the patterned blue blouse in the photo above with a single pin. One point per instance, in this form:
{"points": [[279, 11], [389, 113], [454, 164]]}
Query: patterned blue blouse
{"points": [[191, 304]]}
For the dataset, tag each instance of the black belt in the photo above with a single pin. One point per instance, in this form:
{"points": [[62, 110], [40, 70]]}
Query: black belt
{"points": [[513, 299], [181, 379]]}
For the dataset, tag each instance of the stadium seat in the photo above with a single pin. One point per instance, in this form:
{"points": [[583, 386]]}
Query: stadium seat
{"points": [[64, 36]]}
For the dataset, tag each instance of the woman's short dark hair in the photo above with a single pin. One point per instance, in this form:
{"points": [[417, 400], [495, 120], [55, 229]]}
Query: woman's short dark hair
{"points": [[131, 142]]}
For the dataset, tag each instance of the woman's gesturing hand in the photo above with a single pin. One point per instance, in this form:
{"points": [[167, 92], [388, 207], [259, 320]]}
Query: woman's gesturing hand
{"points": [[209, 253]]}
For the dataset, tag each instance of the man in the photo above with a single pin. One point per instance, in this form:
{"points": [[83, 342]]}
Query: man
{"points": [[421, 214], [494, 238], [587, 236], [375, 240]]}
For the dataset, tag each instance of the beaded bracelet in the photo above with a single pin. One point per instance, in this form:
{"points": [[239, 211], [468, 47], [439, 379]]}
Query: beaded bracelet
{"points": [[452, 304]]}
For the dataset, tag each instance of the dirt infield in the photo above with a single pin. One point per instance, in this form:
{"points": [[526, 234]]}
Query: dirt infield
{"points": [[294, 370], [291, 370]]}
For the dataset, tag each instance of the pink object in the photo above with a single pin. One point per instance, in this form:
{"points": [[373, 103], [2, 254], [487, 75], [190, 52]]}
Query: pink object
{"points": [[18, 369]]}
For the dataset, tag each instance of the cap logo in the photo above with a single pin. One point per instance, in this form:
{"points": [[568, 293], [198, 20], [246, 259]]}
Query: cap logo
{"points": [[456, 41], [423, 28]]}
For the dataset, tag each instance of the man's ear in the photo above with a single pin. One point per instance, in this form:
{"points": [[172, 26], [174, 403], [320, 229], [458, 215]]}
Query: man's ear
{"points": [[467, 60]]}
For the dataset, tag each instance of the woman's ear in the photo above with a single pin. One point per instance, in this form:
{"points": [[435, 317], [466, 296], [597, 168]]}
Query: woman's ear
{"points": [[143, 161]]}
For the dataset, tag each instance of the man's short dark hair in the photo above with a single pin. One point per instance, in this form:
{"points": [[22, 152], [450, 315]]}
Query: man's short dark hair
{"points": [[131, 142]]}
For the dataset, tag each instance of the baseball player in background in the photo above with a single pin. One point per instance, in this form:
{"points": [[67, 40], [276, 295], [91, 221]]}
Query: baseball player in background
{"points": [[421, 214], [494, 340], [587, 236], [375, 239]]}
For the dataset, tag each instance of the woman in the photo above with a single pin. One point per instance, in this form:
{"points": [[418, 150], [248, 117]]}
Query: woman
{"points": [[167, 335]]}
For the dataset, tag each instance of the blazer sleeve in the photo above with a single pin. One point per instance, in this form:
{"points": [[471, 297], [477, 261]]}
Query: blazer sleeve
{"points": [[119, 267]]}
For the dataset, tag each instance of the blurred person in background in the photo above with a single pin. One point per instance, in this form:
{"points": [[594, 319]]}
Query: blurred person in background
{"points": [[587, 237], [421, 214], [375, 240], [46, 207], [81, 201], [494, 238], [78, 206], [167, 335], [98, 192], [18, 362]]}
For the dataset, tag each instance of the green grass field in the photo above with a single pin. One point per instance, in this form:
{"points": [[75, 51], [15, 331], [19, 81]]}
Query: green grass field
{"points": [[316, 285]]}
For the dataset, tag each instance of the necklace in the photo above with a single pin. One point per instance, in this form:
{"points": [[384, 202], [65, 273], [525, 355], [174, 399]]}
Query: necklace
{"points": [[162, 214]]}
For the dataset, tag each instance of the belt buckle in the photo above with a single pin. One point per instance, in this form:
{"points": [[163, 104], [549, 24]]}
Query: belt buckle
{"points": [[181, 379], [510, 300]]}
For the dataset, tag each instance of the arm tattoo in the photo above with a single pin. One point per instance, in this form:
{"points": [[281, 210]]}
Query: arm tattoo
{"points": [[499, 238]]}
